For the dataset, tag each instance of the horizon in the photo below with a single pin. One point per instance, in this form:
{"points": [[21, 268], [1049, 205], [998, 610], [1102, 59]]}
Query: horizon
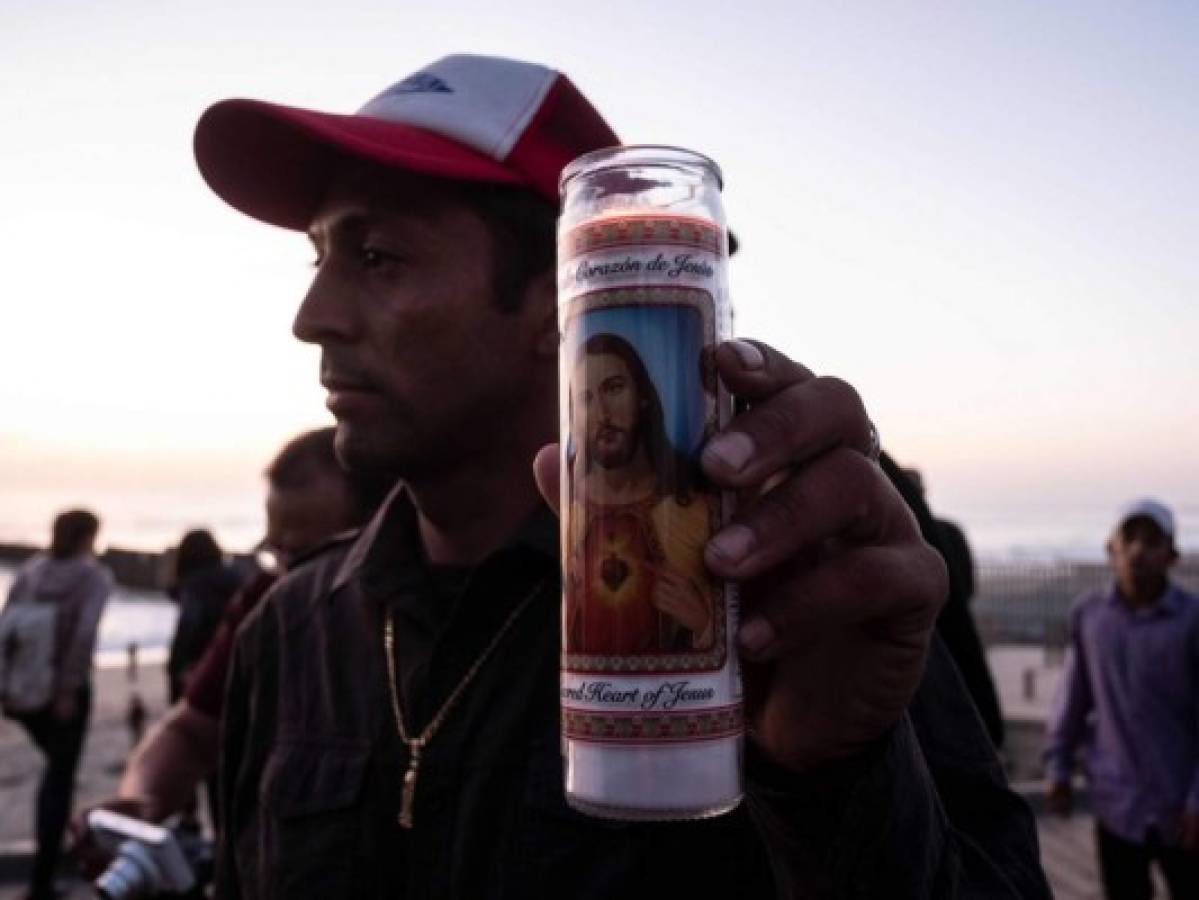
{"points": [[983, 219]]}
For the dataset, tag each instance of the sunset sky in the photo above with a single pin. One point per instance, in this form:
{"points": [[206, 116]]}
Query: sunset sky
{"points": [[985, 216]]}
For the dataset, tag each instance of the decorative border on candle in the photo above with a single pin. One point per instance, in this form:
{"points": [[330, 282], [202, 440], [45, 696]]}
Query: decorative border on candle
{"points": [[625, 230], [652, 727]]}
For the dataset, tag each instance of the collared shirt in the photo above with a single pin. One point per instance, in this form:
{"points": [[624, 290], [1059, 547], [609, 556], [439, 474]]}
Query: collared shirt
{"points": [[1130, 699], [312, 766]]}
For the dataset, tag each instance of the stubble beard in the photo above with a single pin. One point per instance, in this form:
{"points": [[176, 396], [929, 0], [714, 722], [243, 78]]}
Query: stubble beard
{"points": [[619, 456]]}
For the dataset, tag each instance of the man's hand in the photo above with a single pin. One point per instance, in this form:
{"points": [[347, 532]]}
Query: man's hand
{"points": [[89, 857], [1059, 798], [1189, 839], [839, 591]]}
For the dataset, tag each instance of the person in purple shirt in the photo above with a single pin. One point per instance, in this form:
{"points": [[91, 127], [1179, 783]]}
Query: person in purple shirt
{"points": [[1130, 701]]}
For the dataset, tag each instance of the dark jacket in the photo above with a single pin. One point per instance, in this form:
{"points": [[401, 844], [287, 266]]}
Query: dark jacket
{"points": [[202, 596], [955, 625], [312, 765]]}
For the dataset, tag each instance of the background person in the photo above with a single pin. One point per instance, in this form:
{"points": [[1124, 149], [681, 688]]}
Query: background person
{"points": [[69, 576], [202, 585], [311, 500], [1129, 699], [955, 623]]}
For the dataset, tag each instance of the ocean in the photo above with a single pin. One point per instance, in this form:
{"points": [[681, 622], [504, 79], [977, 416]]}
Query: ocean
{"points": [[154, 520]]}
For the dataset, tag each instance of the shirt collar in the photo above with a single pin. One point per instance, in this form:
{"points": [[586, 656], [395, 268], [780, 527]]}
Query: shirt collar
{"points": [[1168, 604], [389, 545]]}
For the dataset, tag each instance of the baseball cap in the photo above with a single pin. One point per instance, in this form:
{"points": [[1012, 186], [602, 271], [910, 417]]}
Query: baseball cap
{"points": [[1148, 508], [464, 117]]}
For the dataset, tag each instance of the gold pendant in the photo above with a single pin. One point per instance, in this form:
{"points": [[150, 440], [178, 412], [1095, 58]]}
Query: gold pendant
{"points": [[408, 794]]}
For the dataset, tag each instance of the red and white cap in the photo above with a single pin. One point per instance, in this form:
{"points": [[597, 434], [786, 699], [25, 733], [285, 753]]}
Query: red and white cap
{"points": [[467, 118]]}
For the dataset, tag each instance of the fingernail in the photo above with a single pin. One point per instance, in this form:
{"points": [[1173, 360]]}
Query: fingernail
{"points": [[756, 635], [732, 544], [750, 356], [732, 450]]}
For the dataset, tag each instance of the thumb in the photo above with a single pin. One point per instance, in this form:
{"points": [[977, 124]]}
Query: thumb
{"points": [[546, 467]]}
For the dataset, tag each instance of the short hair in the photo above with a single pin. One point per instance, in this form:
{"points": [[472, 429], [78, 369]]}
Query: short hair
{"points": [[523, 227], [72, 531], [197, 550], [313, 454]]}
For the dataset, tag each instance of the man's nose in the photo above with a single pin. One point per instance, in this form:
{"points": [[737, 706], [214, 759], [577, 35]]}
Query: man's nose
{"points": [[325, 315]]}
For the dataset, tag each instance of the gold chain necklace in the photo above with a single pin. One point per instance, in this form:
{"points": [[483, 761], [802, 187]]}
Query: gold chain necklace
{"points": [[417, 744]]}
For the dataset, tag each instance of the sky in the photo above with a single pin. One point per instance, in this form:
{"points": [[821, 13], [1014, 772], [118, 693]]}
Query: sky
{"points": [[984, 216]]}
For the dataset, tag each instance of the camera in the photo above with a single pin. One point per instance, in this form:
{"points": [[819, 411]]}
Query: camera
{"points": [[149, 860]]}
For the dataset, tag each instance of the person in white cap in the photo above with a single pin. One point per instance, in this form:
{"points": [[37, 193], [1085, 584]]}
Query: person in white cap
{"points": [[391, 720], [1130, 699]]}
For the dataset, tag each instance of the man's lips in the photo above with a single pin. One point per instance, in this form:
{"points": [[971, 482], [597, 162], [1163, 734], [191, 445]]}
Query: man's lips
{"points": [[346, 396], [607, 434]]}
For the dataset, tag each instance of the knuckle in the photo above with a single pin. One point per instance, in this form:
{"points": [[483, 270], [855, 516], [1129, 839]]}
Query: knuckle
{"points": [[938, 575], [780, 512], [772, 425], [927, 581], [841, 393], [857, 482], [849, 408]]}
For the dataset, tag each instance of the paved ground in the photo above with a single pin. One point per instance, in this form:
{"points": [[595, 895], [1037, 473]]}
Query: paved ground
{"points": [[104, 755], [1068, 854]]}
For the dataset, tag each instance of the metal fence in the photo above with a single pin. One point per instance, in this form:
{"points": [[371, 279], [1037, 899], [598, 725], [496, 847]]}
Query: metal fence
{"points": [[1029, 602]]}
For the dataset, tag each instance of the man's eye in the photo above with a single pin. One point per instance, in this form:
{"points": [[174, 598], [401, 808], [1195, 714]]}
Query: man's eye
{"points": [[373, 257]]}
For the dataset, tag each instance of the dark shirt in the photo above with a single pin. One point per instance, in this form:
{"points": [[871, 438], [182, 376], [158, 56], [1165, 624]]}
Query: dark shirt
{"points": [[958, 557], [1130, 698], [205, 689], [312, 765], [202, 596]]}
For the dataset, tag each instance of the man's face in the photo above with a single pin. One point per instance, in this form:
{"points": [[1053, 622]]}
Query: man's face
{"points": [[607, 409], [1141, 555], [419, 363], [299, 519]]}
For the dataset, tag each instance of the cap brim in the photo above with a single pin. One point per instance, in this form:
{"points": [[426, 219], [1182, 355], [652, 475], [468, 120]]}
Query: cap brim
{"points": [[274, 162]]}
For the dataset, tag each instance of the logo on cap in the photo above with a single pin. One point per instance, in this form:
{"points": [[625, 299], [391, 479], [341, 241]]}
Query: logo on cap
{"points": [[420, 83]]}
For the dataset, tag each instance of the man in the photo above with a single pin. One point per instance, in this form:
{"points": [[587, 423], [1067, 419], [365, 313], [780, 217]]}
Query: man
{"points": [[1129, 696], [638, 527], [69, 580], [310, 501], [416, 671]]}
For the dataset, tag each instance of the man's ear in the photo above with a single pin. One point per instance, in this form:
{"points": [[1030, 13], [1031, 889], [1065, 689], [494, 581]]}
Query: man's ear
{"points": [[541, 304]]}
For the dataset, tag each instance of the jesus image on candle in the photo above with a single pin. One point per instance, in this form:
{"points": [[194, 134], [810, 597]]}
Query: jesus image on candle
{"points": [[635, 582]]}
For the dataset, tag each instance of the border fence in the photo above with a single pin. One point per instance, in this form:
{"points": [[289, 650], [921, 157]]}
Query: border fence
{"points": [[1029, 602]]}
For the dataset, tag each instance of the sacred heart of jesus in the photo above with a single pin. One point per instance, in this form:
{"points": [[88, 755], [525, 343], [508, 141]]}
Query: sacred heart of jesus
{"points": [[618, 615]]}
